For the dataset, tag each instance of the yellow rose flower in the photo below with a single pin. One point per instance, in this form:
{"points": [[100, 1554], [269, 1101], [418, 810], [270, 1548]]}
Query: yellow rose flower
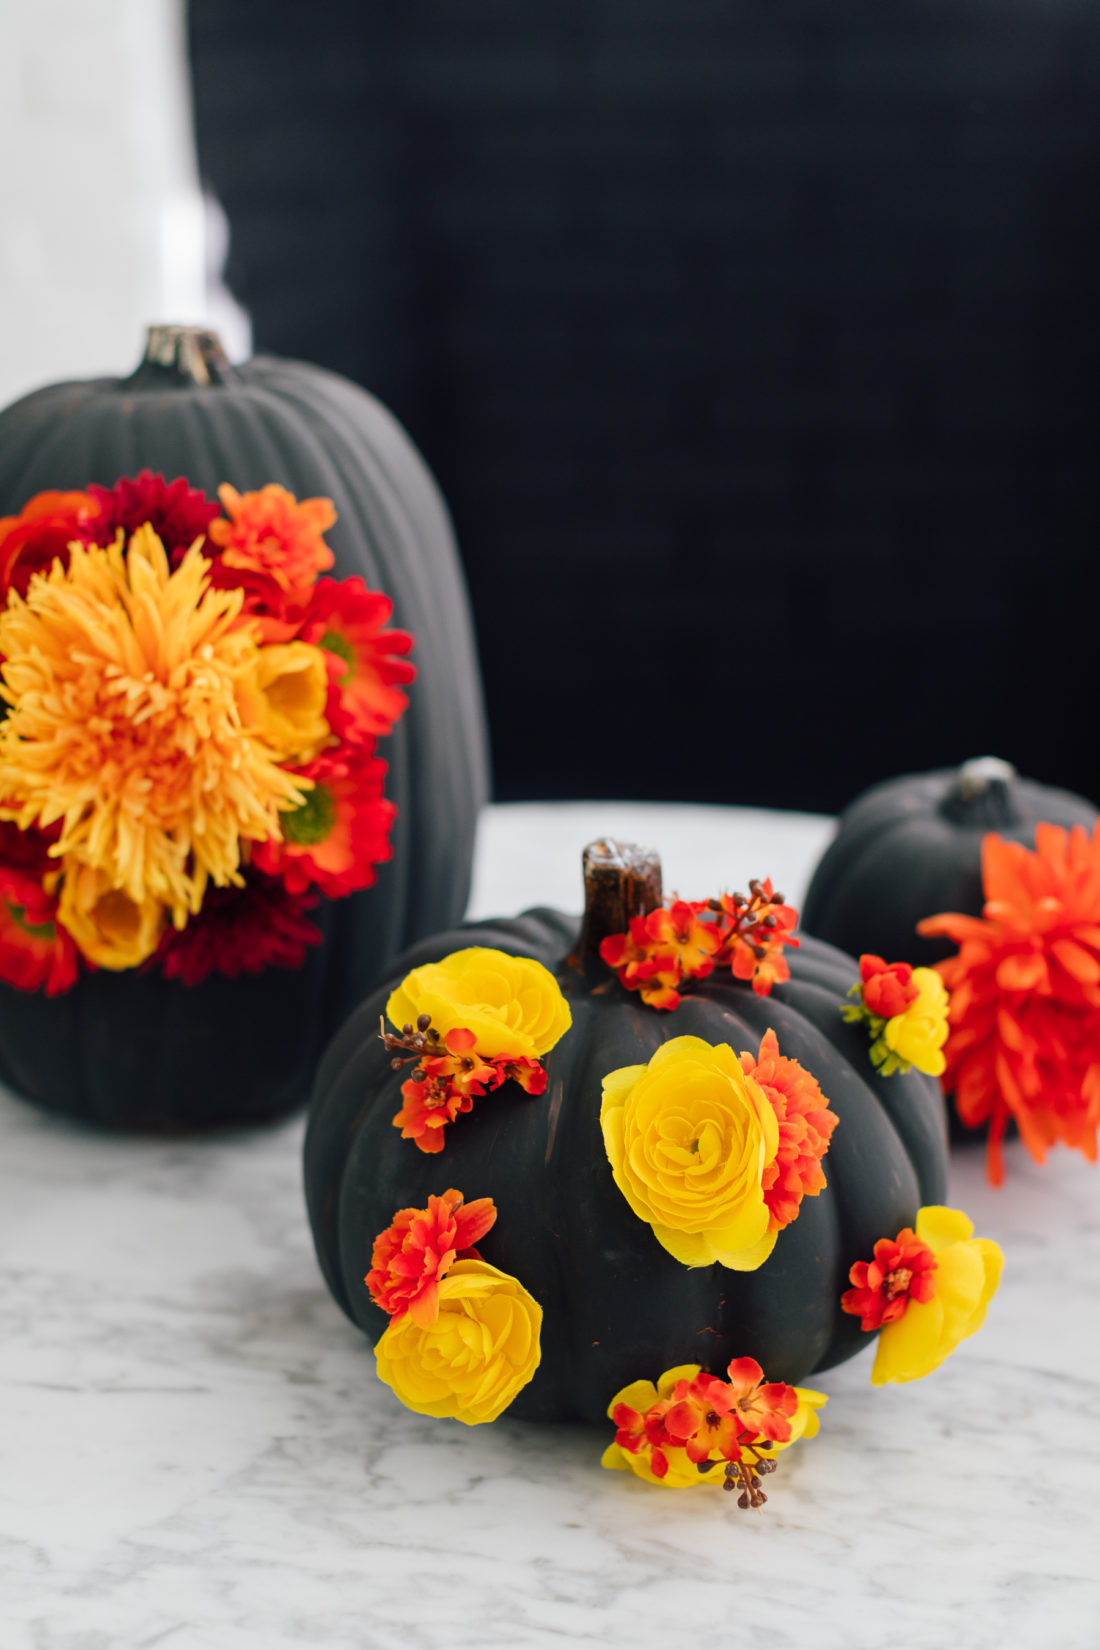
{"points": [[513, 1005], [109, 928], [682, 1473], [283, 699], [689, 1137], [482, 1348], [968, 1270], [919, 1034]]}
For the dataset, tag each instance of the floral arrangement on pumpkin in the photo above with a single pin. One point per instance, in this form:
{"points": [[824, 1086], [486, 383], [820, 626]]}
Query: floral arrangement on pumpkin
{"points": [[714, 1151], [1024, 1040], [189, 755]]}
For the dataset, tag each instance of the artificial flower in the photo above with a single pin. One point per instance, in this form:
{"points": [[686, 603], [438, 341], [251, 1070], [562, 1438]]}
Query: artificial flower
{"points": [[413, 1255], [111, 928], [916, 1036], [241, 931], [888, 988], [1025, 995], [122, 679], [448, 1074], [482, 1347], [903, 1269], [513, 1005], [348, 620], [36, 953], [41, 534], [689, 1138], [645, 1446], [942, 1303], [283, 699], [340, 829], [805, 1128], [272, 547], [179, 514]]}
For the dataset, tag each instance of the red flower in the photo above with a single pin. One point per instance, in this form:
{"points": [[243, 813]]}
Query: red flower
{"points": [[348, 620], [273, 548], [637, 1432], [700, 1421], [446, 1083], [177, 512], [763, 1409], [341, 831], [642, 966], [677, 933], [240, 931], [1025, 995], [887, 987], [430, 1104], [903, 1269], [413, 1254], [805, 1128], [35, 951], [40, 534]]}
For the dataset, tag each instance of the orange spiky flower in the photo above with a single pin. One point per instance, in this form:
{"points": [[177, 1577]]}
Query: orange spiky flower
{"points": [[1025, 995]]}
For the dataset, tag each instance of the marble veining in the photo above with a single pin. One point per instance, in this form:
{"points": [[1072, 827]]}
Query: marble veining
{"points": [[195, 1453]]}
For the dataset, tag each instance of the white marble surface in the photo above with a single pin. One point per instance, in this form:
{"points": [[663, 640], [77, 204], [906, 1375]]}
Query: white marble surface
{"points": [[195, 1454]]}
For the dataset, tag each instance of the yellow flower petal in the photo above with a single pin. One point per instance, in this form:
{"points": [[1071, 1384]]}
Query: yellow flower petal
{"points": [[513, 1005]]}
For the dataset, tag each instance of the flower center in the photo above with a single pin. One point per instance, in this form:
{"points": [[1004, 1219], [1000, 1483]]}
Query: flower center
{"points": [[311, 822], [333, 642], [897, 1281], [37, 930]]}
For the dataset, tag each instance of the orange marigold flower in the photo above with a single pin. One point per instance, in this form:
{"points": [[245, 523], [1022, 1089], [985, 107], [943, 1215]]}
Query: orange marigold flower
{"points": [[903, 1269], [888, 988], [417, 1249], [272, 547], [805, 1128], [41, 534], [1024, 1036], [348, 620]]}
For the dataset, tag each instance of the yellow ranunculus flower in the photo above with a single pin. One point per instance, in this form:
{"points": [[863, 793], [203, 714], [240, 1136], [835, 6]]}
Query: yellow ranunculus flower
{"points": [[919, 1034], [110, 929], [283, 699], [689, 1137], [968, 1271], [682, 1473], [482, 1348], [513, 1005]]}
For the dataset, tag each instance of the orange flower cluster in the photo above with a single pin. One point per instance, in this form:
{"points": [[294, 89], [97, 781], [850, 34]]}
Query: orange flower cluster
{"points": [[449, 1074], [903, 1269], [689, 938], [1025, 995], [191, 710], [414, 1253], [805, 1128], [714, 1420]]}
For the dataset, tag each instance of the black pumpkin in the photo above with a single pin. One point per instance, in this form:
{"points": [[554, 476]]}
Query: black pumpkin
{"points": [[135, 1050], [617, 1306], [912, 847]]}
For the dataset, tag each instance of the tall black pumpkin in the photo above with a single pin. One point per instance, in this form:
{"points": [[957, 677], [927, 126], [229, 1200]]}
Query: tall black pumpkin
{"points": [[617, 1307], [135, 1050], [912, 847]]}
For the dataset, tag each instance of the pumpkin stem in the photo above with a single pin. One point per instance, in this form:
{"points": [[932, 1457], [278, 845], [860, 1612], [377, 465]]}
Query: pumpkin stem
{"points": [[183, 357], [981, 794], [620, 881]]}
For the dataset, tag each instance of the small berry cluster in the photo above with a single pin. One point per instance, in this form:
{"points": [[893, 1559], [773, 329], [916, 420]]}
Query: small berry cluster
{"points": [[687, 939]]}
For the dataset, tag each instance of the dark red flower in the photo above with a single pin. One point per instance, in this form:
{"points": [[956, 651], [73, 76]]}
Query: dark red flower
{"points": [[177, 512], [240, 931]]}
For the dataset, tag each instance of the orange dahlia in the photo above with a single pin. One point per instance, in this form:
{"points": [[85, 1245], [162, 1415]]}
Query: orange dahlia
{"points": [[1025, 995], [125, 729]]}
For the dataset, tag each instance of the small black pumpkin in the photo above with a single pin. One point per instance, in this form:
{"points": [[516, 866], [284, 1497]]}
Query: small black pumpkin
{"points": [[912, 847], [135, 1050], [617, 1305]]}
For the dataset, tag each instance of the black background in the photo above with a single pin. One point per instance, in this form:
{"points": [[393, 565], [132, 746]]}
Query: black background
{"points": [[753, 344]]}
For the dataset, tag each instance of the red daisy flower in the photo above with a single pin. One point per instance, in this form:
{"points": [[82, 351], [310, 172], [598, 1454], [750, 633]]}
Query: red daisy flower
{"points": [[240, 931], [35, 951], [349, 621], [340, 833]]}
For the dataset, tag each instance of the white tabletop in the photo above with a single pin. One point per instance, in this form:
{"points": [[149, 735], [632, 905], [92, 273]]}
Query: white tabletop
{"points": [[195, 1453]]}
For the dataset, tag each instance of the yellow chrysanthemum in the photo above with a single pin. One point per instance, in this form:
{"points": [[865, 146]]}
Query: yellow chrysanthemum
{"points": [[125, 723]]}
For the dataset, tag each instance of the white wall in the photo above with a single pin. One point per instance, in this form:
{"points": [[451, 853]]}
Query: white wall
{"points": [[101, 218]]}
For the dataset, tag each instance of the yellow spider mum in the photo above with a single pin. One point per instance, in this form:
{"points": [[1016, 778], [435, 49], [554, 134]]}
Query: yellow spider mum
{"points": [[124, 680]]}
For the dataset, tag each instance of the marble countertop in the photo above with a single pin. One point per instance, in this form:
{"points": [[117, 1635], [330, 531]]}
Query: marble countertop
{"points": [[195, 1453]]}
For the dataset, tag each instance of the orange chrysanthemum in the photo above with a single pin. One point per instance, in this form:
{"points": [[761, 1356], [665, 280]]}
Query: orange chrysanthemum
{"points": [[1025, 995], [125, 725], [417, 1250], [272, 547], [805, 1128]]}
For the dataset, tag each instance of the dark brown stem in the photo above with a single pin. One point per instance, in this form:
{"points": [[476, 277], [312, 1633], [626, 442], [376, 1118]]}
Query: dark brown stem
{"points": [[981, 794], [620, 881], [182, 357]]}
